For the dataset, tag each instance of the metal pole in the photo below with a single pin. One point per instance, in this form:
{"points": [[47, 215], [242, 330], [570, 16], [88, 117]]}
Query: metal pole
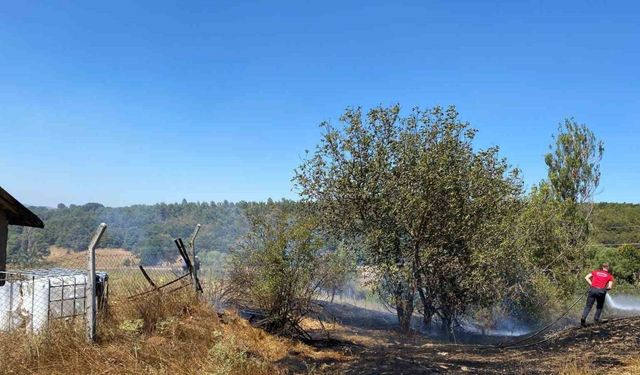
{"points": [[91, 284], [196, 263], [11, 303], [33, 300], [4, 235]]}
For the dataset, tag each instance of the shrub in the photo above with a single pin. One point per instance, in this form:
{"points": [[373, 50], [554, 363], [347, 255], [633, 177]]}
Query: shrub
{"points": [[279, 269]]}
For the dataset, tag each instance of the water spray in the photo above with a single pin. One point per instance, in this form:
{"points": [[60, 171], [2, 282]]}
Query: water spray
{"points": [[624, 303]]}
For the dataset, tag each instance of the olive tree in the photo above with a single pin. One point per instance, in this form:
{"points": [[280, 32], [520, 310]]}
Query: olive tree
{"points": [[427, 207]]}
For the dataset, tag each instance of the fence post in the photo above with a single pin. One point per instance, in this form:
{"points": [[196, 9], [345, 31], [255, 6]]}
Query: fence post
{"points": [[196, 264], [90, 292], [4, 235]]}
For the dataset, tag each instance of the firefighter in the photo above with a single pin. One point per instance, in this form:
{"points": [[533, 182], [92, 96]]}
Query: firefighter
{"points": [[600, 281]]}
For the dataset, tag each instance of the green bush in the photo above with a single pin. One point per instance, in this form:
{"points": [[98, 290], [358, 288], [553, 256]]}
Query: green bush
{"points": [[279, 269]]}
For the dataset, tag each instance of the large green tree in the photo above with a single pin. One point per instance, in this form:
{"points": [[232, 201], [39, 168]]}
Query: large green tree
{"points": [[427, 208], [27, 248]]}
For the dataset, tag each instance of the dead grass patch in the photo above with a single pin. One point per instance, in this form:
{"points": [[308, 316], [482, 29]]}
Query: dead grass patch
{"points": [[177, 334], [575, 366], [632, 367]]}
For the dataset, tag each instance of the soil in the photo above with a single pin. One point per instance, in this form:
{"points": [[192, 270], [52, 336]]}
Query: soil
{"points": [[372, 345]]}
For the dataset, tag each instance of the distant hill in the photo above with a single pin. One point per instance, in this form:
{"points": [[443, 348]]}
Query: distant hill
{"points": [[148, 230], [145, 230], [616, 223]]}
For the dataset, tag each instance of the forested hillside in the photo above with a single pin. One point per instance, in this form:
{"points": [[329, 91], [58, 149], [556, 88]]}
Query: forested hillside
{"points": [[147, 230], [616, 223]]}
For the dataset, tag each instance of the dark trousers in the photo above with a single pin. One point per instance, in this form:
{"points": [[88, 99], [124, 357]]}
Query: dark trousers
{"points": [[595, 295]]}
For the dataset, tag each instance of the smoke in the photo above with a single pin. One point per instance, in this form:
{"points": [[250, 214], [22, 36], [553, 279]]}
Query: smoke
{"points": [[504, 327], [623, 302]]}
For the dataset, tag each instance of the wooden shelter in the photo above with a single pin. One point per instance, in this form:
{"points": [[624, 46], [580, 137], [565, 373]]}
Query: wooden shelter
{"points": [[12, 212]]}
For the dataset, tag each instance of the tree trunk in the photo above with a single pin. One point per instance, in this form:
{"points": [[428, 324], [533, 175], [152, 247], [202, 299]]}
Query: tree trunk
{"points": [[404, 308], [427, 318], [447, 324], [427, 309]]}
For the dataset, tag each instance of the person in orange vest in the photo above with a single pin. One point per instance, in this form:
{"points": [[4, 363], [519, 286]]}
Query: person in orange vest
{"points": [[600, 281]]}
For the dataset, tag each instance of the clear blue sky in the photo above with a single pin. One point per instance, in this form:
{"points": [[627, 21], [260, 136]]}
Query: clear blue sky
{"points": [[124, 103]]}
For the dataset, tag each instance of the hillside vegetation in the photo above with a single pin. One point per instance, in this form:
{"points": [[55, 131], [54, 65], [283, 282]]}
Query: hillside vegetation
{"points": [[616, 223], [147, 230]]}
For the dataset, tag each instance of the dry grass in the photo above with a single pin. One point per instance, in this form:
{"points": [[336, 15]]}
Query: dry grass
{"points": [[178, 334], [575, 367], [105, 258], [631, 368], [578, 367]]}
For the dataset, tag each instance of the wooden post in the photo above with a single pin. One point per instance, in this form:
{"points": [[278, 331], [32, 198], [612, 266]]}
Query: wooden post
{"points": [[90, 292], [4, 234], [196, 264]]}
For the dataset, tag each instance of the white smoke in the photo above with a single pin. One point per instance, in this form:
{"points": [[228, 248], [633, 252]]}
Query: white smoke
{"points": [[624, 302], [505, 327]]}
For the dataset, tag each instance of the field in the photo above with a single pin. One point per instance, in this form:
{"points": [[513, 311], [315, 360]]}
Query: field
{"points": [[105, 258], [125, 278]]}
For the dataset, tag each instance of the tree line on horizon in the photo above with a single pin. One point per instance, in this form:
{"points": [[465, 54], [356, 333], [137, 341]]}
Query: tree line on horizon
{"points": [[146, 230], [151, 228]]}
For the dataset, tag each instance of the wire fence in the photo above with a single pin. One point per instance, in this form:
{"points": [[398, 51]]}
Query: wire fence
{"points": [[60, 287]]}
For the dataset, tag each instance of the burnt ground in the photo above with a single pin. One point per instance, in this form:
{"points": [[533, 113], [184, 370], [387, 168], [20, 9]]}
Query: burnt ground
{"points": [[373, 346]]}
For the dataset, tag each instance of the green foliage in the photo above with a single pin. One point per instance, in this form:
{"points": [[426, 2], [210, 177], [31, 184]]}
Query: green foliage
{"points": [[624, 261], [552, 229], [341, 268], [574, 162], [132, 326], [616, 223], [230, 356], [279, 268], [427, 208], [545, 258], [628, 264], [147, 230], [27, 247]]}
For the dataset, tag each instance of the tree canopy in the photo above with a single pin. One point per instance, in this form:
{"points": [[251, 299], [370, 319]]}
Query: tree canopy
{"points": [[427, 207]]}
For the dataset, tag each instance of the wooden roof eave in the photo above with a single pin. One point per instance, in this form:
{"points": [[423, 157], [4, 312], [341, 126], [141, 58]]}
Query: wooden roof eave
{"points": [[16, 213]]}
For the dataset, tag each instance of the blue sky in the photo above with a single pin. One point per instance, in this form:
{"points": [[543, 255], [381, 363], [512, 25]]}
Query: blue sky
{"points": [[125, 102]]}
